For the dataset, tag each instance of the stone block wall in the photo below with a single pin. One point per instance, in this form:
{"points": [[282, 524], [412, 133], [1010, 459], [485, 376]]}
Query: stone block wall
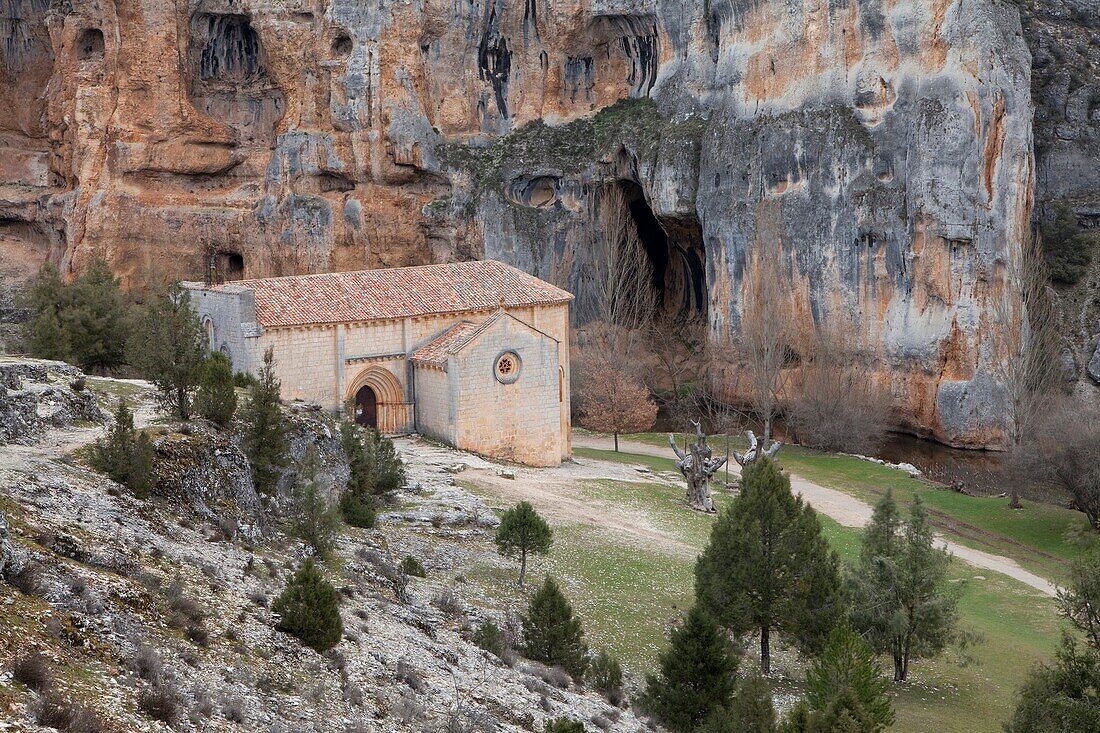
{"points": [[520, 421]]}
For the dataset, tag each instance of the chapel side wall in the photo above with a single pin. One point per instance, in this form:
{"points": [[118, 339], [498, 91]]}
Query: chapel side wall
{"points": [[435, 410], [521, 421], [305, 362], [232, 314]]}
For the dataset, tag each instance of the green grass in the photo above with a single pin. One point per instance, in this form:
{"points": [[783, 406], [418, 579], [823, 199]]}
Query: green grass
{"points": [[629, 592], [1042, 537]]}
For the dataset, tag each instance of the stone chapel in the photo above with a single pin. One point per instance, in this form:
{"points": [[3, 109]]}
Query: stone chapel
{"points": [[474, 354]]}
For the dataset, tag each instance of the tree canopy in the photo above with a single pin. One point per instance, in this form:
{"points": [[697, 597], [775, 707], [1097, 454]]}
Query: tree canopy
{"points": [[697, 674], [901, 599], [523, 532], [768, 567]]}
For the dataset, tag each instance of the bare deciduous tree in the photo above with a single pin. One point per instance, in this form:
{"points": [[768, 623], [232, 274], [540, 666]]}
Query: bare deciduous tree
{"points": [[616, 284], [838, 407], [1027, 362], [1068, 449], [766, 334], [610, 399]]}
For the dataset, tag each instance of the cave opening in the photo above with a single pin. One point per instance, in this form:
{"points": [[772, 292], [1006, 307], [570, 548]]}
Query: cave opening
{"points": [[232, 50], [342, 46], [674, 247], [229, 266], [90, 46]]}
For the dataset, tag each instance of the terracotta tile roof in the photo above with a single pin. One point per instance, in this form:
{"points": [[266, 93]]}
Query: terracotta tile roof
{"points": [[435, 352], [372, 295]]}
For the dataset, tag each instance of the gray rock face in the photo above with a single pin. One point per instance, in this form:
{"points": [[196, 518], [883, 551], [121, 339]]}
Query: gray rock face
{"points": [[1064, 38], [1094, 365], [893, 177], [35, 395], [207, 472], [6, 554]]}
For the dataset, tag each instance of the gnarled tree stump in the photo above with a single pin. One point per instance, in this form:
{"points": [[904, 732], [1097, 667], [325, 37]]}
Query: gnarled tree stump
{"points": [[757, 449], [698, 466]]}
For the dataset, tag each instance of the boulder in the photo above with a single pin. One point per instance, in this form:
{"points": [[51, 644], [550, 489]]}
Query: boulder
{"points": [[36, 394], [309, 426], [205, 470], [1094, 365], [6, 552]]}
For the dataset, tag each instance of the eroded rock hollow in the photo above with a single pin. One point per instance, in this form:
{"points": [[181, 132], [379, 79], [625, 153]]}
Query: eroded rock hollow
{"points": [[885, 147]]}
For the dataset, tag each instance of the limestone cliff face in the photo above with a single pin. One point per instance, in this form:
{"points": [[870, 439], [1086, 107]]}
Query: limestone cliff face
{"points": [[884, 146]]}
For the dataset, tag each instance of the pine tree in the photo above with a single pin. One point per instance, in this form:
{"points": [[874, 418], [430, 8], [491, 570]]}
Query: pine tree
{"points": [[845, 680], [48, 339], [357, 504], [96, 319], [752, 710], [315, 518], [605, 674], [216, 399], [47, 298], [308, 608], [124, 454], [523, 532], [768, 567], [169, 347], [1079, 603], [351, 439], [551, 633], [1064, 697], [264, 440], [385, 470], [902, 602], [698, 675]]}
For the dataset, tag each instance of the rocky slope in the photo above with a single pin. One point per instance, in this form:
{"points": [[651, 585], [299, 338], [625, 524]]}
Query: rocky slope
{"points": [[152, 608], [885, 146]]}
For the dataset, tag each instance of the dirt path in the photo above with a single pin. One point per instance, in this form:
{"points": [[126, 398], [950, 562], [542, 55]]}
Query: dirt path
{"points": [[849, 512]]}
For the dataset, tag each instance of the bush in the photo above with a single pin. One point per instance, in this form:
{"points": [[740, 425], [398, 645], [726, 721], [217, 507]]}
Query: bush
{"points": [[160, 702], [605, 674], [1068, 248], [28, 579], [61, 714], [447, 601], [492, 639], [413, 567], [564, 725], [315, 520], [308, 609], [373, 461], [217, 397], [552, 635], [243, 380], [359, 510], [33, 670]]}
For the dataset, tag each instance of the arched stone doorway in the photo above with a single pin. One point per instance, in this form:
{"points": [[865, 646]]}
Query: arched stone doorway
{"points": [[378, 400], [366, 407]]}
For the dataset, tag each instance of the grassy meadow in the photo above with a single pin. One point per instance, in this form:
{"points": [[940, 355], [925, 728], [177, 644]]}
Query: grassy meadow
{"points": [[629, 591]]}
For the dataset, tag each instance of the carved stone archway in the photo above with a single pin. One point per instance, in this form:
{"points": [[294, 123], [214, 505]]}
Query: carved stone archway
{"points": [[392, 412]]}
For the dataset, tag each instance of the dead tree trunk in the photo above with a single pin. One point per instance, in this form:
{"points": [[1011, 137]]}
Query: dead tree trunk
{"points": [[698, 466], [756, 449]]}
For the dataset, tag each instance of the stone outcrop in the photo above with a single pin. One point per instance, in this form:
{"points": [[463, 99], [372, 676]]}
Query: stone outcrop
{"points": [[886, 148], [36, 394], [205, 471]]}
